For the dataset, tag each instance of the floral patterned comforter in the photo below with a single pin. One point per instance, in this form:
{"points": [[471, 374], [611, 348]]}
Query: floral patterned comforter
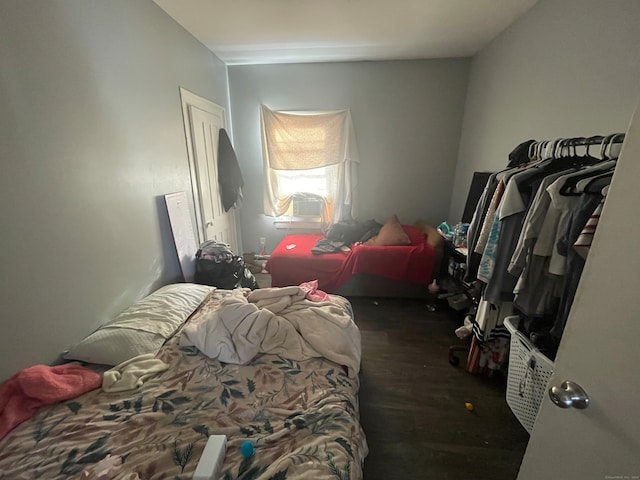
{"points": [[302, 417]]}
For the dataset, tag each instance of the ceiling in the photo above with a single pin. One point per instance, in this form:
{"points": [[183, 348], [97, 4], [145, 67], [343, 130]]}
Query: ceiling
{"points": [[301, 31]]}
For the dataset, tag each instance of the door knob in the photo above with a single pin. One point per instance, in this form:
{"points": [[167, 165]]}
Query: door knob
{"points": [[569, 394]]}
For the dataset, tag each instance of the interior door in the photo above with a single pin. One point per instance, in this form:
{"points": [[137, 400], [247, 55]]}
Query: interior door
{"points": [[204, 120], [600, 350]]}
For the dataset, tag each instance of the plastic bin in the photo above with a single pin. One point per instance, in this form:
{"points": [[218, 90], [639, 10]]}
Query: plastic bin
{"points": [[528, 377]]}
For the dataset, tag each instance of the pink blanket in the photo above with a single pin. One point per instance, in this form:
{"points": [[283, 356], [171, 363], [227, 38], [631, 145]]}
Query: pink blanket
{"points": [[34, 387]]}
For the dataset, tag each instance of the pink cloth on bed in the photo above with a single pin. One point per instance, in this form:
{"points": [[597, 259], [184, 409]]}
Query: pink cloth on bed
{"points": [[312, 293], [34, 387], [296, 264]]}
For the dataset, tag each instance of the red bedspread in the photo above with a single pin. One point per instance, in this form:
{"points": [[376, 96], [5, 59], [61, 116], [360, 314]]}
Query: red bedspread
{"points": [[296, 264]]}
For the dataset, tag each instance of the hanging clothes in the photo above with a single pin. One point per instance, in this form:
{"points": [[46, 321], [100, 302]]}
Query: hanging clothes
{"points": [[229, 174], [563, 204], [510, 215], [527, 240], [475, 227], [582, 245], [584, 213], [535, 289], [490, 341]]}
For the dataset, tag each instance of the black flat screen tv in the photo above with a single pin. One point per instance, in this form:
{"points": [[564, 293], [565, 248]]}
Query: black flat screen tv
{"points": [[478, 183]]}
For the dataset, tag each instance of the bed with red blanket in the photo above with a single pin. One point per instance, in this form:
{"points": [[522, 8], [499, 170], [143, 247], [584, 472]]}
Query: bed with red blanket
{"points": [[364, 270]]}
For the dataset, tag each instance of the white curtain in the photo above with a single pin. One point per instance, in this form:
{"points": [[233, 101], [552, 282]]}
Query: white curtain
{"points": [[313, 153]]}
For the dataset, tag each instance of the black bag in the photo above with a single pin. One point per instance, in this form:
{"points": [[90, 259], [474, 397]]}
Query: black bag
{"points": [[248, 280], [218, 266], [352, 232]]}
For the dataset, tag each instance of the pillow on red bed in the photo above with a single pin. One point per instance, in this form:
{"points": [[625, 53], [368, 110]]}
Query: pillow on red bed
{"points": [[391, 233]]}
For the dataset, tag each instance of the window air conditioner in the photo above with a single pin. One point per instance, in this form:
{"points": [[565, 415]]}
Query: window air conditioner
{"points": [[307, 207]]}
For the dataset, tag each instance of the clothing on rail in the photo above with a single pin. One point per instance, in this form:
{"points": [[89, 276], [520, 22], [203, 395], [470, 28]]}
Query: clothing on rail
{"points": [[527, 242]]}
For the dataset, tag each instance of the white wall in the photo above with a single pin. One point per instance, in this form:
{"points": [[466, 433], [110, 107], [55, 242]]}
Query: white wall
{"points": [[407, 118], [566, 68], [91, 138]]}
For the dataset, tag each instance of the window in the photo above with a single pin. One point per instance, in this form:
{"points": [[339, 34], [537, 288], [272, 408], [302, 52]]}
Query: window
{"points": [[309, 161]]}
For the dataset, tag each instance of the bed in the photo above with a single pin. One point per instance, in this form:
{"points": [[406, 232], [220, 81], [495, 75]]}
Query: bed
{"points": [[380, 270], [302, 416]]}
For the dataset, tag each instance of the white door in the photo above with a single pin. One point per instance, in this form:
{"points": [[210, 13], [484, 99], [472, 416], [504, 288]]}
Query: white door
{"points": [[600, 350], [203, 120]]}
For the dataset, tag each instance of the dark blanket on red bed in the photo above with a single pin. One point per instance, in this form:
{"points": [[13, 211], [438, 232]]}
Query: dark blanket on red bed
{"points": [[292, 262]]}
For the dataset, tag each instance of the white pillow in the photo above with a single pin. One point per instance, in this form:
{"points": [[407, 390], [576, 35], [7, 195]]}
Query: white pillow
{"points": [[141, 328]]}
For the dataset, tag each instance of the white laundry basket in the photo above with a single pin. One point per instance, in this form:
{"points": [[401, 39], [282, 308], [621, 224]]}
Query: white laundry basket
{"points": [[529, 374]]}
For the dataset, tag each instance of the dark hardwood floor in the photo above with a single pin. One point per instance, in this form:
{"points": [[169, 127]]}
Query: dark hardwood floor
{"points": [[412, 401]]}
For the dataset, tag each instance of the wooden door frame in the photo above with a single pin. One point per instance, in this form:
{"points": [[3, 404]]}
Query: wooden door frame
{"points": [[187, 99]]}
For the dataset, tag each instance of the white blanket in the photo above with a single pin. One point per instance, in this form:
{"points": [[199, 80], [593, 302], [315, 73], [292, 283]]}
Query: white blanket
{"points": [[278, 321], [132, 373]]}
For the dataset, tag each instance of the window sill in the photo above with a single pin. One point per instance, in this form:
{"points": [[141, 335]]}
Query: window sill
{"points": [[298, 223]]}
